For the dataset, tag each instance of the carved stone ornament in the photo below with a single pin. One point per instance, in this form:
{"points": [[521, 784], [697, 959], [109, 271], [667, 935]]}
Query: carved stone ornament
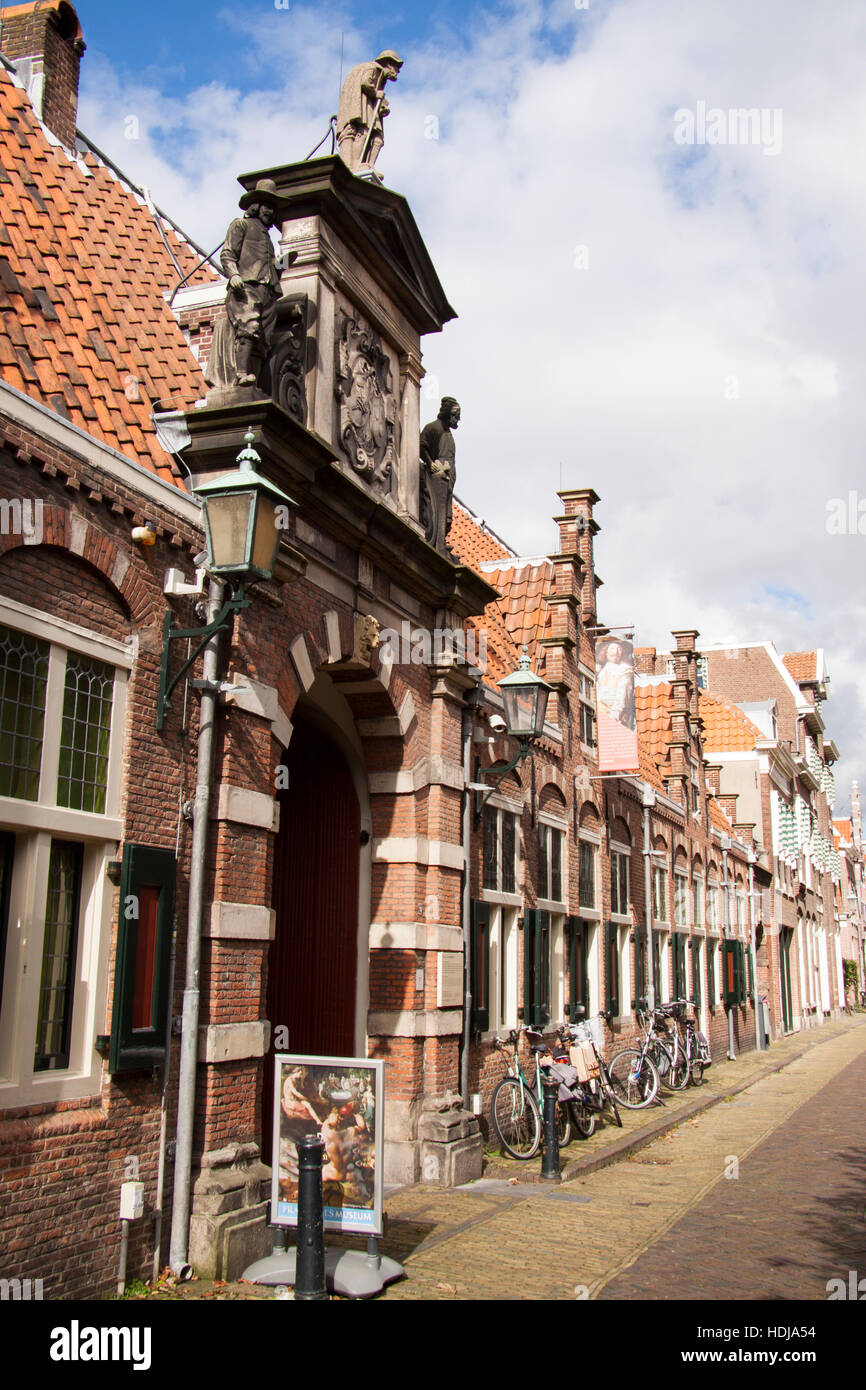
{"points": [[366, 638], [284, 371], [367, 407]]}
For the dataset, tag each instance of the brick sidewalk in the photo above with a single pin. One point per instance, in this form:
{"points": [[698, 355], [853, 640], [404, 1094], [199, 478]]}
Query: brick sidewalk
{"points": [[480, 1241]]}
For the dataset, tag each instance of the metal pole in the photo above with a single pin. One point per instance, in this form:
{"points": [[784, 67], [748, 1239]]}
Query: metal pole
{"points": [[756, 1005], [310, 1267], [179, 1248], [550, 1157], [466, 1041], [649, 799]]}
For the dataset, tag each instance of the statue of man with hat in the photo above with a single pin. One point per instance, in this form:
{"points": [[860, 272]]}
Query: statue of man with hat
{"points": [[438, 473], [242, 337], [363, 108]]}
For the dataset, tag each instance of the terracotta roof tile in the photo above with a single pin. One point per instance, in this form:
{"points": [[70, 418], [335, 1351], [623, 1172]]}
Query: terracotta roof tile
{"points": [[802, 665], [726, 728], [83, 275]]}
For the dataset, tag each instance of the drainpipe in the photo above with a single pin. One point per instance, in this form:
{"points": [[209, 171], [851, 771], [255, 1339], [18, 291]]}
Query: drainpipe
{"points": [[467, 723], [732, 1056], [759, 1039], [648, 799], [189, 1037]]}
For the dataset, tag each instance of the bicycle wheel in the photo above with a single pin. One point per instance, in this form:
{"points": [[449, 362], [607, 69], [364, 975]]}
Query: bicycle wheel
{"points": [[678, 1076], [564, 1131], [634, 1078], [583, 1120], [663, 1062], [515, 1117], [696, 1068], [609, 1093]]}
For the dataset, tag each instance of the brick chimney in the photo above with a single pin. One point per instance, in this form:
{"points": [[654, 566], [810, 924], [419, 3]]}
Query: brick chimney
{"points": [[577, 529], [43, 40]]}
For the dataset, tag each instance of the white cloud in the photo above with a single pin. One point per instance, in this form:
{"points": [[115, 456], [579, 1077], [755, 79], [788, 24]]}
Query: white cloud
{"points": [[704, 372]]}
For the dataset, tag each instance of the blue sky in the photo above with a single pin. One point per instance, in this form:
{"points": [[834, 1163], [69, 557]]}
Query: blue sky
{"points": [[674, 325]]}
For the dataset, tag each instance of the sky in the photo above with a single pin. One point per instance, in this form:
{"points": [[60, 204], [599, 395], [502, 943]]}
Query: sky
{"points": [[655, 298]]}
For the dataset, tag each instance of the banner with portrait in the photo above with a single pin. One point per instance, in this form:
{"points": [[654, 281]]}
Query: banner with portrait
{"points": [[615, 706], [339, 1098]]}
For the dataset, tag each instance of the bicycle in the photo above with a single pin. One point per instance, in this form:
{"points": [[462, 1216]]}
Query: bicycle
{"points": [[697, 1052], [599, 1089], [666, 1047], [634, 1075], [515, 1111]]}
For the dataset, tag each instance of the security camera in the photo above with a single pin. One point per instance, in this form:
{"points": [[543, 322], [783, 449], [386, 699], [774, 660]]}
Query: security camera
{"points": [[498, 723]]}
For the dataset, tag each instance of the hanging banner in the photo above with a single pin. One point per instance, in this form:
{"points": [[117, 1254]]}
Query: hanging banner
{"points": [[614, 689], [339, 1098]]}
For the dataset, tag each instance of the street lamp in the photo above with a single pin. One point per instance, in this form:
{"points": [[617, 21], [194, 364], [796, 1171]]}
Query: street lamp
{"points": [[244, 514], [524, 697]]}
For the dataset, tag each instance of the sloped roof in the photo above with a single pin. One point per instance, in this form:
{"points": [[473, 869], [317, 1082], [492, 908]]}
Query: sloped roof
{"points": [[842, 833], [84, 325], [802, 665], [653, 715], [719, 820], [726, 728]]}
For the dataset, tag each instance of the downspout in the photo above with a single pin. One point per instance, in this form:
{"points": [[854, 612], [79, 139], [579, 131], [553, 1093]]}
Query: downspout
{"points": [[189, 1037], [649, 800], [732, 1056], [467, 906], [756, 1005]]}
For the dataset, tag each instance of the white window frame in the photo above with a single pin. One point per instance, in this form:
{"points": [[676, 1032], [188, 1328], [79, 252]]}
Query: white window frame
{"points": [[35, 824], [663, 873], [559, 824], [503, 955], [617, 848], [681, 899], [495, 895], [589, 837]]}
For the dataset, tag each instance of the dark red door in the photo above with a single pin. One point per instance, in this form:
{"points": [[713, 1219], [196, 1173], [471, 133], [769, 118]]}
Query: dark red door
{"points": [[313, 959]]}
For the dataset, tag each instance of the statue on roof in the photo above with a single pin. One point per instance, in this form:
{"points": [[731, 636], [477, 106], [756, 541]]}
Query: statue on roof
{"points": [[438, 474], [242, 335], [363, 108]]}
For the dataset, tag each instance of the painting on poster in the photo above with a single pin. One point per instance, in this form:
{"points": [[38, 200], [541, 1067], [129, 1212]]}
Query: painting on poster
{"points": [[341, 1099], [615, 707]]}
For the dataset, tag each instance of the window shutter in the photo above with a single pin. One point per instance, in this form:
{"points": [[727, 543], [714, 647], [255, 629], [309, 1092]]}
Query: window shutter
{"points": [[141, 1002], [640, 974], [479, 969], [611, 964], [542, 970], [679, 948], [530, 931], [578, 991], [711, 974], [696, 971], [751, 993]]}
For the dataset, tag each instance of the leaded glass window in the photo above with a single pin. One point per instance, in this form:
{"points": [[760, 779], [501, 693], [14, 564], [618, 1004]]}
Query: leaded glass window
{"points": [[586, 880], [23, 681], [491, 847], [85, 734], [509, 844], [58, 956]]}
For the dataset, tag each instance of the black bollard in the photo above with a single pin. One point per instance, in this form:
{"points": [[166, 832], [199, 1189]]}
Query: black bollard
{"points": [[550, 1157], [310, 1266]]}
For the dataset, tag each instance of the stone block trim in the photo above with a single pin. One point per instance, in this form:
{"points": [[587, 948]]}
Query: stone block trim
{"points": [[414, 1024], [417, 849], [233, 1042], [247, 807], [241, 922]]}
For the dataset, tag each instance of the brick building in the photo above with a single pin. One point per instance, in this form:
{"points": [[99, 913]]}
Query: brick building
{"points": [[343, 870]]}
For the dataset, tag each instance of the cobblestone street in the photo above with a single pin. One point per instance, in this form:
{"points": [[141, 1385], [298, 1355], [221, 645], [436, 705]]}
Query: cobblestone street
{"points": [[665, 1222]]}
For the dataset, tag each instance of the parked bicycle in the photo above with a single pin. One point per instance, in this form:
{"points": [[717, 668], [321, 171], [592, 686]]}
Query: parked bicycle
{"points": [[587, 1057], [666, 1046], [515, 1109], [634, 1075]]}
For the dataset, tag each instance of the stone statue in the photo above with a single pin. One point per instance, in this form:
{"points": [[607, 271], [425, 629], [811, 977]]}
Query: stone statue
{"points": [[363, 108], [242, 335], [438, 473]]}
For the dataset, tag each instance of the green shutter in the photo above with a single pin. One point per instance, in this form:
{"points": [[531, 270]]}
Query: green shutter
{"points": [[611, 969], [542, 970], [711, 973], [640, 974], [530, 931], [479, 966], [578, 985], [751, 993], [141, 1002], [696, 971]]}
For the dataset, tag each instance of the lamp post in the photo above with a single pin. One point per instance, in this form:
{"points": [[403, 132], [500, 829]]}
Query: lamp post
{"points": [[524, 696], [244, 514]]}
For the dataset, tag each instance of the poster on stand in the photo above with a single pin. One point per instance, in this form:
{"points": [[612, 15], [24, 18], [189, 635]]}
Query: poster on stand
{"points": [[339, 1098], [615, 707]]}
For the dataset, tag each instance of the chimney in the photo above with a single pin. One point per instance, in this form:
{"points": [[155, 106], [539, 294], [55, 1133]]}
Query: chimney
{"points": [[577, 529], [43, 40]]}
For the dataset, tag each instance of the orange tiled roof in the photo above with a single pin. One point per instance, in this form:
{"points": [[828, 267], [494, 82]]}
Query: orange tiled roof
{"points": [[653, 714], [802, 665], [842, 833], [84, 326], [519, 616], [726, 728], [719, 819]]}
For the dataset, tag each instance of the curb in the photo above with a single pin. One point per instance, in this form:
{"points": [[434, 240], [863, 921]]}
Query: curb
{"points": [[633, 1143]]}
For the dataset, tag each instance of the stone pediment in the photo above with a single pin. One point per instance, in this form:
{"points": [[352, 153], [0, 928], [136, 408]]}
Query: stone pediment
{"points": [[375, 223]]}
